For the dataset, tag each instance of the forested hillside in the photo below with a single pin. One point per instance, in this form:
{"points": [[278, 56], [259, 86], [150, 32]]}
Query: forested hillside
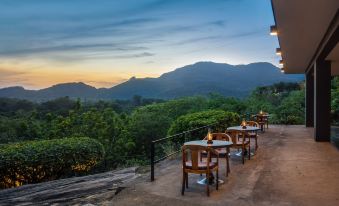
{"points": [[125, 128]]}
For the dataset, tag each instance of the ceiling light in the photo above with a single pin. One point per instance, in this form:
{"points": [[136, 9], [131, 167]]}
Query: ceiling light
{"points": [[281, 63], [278, 51], [274, 30]]}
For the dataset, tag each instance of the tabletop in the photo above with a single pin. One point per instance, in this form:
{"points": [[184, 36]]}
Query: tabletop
{"points": [[240, 128], [215, 144]]}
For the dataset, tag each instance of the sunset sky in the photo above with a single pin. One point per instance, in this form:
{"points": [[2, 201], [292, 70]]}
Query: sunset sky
{"points": [[103, 43]]}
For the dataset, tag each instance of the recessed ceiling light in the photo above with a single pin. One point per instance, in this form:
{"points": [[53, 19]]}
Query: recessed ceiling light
{"points": [[281, 63], [274, 30], [278, 51]]}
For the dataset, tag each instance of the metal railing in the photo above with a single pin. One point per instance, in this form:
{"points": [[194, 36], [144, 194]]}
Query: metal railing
{"points": [[174, 137]]}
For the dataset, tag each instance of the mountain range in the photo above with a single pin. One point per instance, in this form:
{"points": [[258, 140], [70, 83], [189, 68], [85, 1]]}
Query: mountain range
{"points": [[200, 78]]}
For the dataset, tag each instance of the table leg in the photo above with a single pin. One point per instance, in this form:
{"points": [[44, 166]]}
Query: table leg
{"points": [[227, 161]]}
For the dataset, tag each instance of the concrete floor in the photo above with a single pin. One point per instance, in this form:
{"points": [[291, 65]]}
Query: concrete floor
{"points": [[289, 168]]}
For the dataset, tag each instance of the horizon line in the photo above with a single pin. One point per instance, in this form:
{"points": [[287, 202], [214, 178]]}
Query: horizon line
{"points": [[132, 77]]}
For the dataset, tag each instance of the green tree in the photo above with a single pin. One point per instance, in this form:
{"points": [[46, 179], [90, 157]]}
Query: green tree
{"points": [[292, 108]]}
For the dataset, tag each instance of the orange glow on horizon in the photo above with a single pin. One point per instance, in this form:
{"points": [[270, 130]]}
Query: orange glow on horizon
{"points": [[38, 78]]}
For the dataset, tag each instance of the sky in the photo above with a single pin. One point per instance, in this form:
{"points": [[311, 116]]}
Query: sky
{"points": [[105, 42]]}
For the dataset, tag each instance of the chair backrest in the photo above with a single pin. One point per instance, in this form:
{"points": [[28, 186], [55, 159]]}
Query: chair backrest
{"points": [[233, 134], [220, 136], [252, 124], [259, 118], [193, 152]]}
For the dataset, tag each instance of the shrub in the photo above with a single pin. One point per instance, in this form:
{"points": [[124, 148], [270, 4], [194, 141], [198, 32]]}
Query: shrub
{"points": [[43, 160], [200, 119], [292, 108]]}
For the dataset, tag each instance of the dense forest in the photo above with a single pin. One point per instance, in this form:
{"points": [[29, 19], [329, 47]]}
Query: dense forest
{"points": [[118, 133]]}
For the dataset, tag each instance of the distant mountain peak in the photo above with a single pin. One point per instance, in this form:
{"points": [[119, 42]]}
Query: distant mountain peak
{"points": [[15, 88], [72, 83], [204, 62], [200, 78], [75, 85]]}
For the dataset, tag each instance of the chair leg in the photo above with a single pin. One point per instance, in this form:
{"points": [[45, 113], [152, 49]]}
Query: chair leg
{"points": [[186, 180], [228, 170], [227, 165], [183, 183], [217, 185], [243, 155], [249, 151], [208, 184]]}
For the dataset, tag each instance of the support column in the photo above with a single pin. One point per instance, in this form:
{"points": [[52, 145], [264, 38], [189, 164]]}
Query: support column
{"points": [[309, 99], [322, 100]]}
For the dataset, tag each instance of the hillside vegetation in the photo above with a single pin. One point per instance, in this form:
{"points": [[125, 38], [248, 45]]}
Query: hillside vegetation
{"points": [[126, 128]]}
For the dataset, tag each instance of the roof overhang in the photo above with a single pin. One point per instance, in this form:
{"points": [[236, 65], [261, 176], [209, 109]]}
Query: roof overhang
{"points": [[305, 30]]}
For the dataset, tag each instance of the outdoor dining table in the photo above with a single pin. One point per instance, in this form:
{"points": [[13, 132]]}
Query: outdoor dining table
{"points": [[261, 117], [217, 144], [243, 130]]}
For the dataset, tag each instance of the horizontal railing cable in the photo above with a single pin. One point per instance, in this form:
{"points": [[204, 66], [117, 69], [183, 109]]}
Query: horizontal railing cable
{"points": [[172, 137]]}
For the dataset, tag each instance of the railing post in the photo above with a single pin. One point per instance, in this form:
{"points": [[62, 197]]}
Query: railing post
{"points": [[152, 161]]}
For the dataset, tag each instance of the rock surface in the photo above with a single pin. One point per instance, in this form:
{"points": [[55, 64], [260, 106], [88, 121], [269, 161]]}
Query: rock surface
{"points": [[87, 190]]}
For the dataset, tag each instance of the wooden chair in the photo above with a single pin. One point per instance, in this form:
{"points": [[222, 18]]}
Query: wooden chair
{"points": [[254, 134], [240, 142], [194, 165], [223, 152], [262, 122], [265, 119]]}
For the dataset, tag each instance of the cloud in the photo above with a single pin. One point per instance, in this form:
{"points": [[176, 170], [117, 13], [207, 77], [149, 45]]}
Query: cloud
{"points": [[11, 77], [125, 37], [129, 56], [218, 38], [220, 41], [41, 78], [196, 40], [5, 73], [105, 29], [220, 23], [70, 47]]}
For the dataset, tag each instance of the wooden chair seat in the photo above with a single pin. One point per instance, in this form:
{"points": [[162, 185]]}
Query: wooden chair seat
{"points": [[201, 165], [252, 134], [191, 164], [240, 142], [222, 153]]}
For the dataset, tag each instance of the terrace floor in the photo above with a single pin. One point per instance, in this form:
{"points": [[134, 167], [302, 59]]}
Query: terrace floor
{"points": [[290, 168]]}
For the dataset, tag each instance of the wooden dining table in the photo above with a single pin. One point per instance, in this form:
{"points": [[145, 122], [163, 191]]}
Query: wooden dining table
{"points": [[261, 118], [217, 144], [243, 130]]}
